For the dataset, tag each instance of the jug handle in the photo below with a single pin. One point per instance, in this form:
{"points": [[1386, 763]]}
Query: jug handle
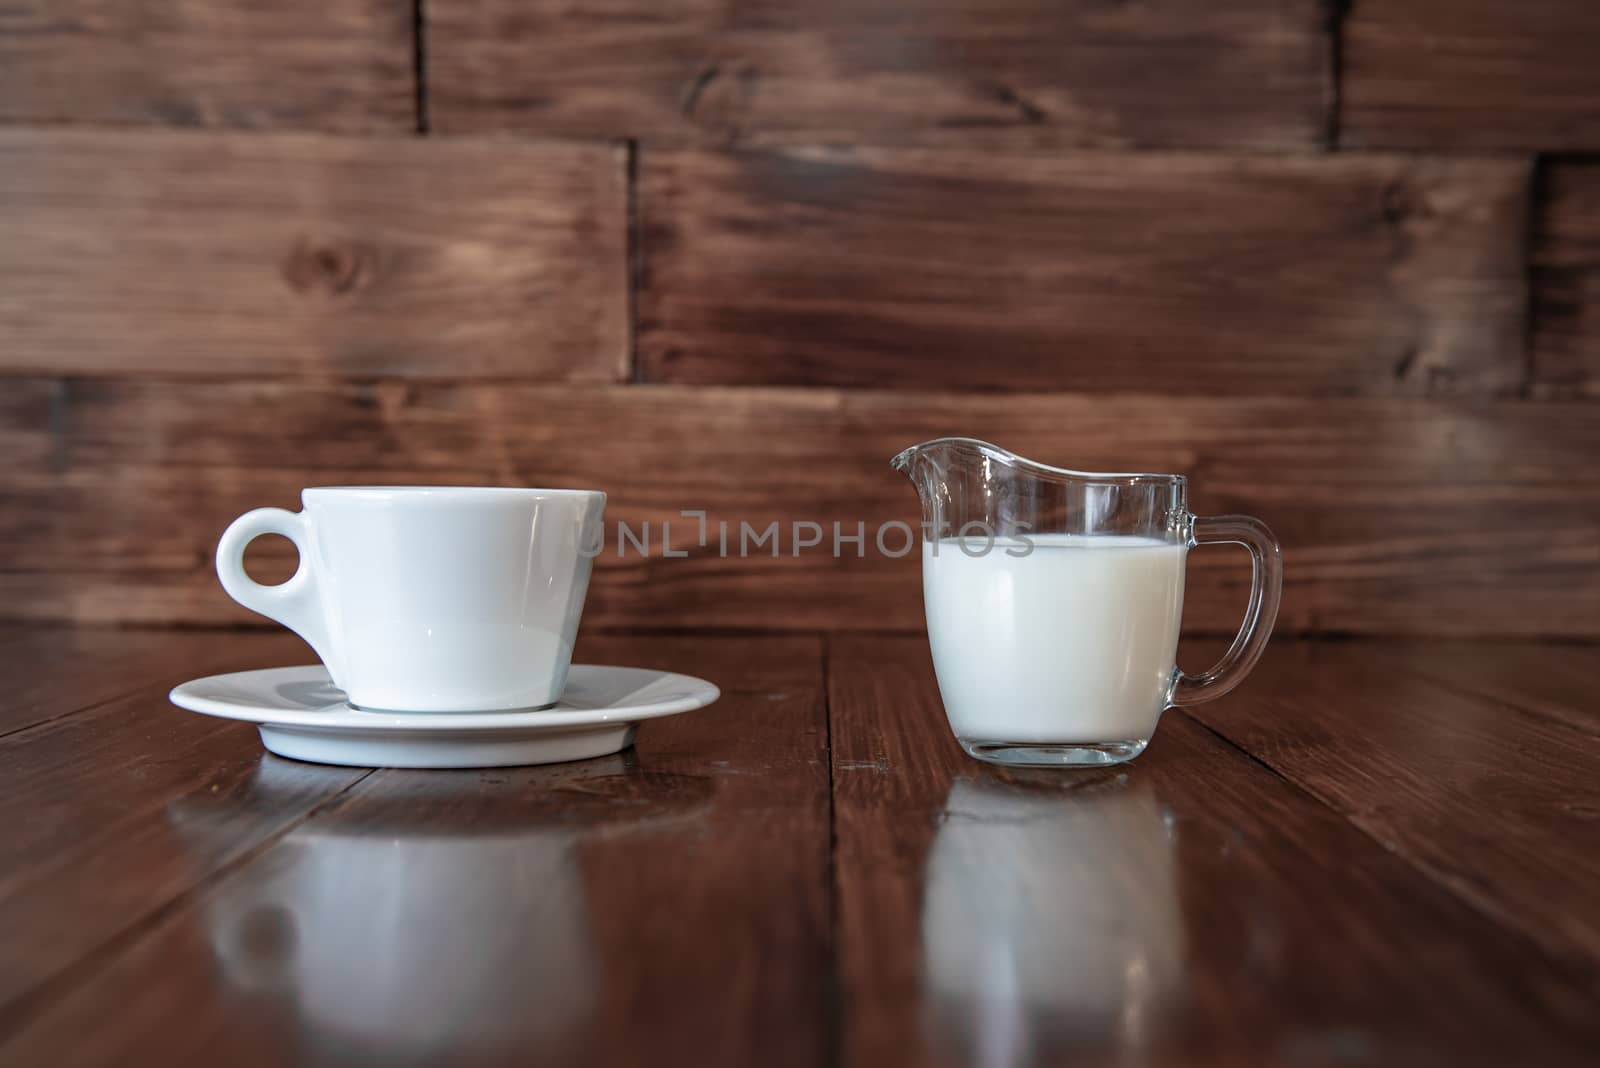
{"points": [[1266, 588]]}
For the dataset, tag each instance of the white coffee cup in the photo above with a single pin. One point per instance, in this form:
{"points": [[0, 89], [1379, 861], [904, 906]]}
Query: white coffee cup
{"points": [[430, 599]]}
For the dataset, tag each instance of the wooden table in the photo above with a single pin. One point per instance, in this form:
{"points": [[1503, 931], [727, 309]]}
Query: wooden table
{"points": [[1372, 853]]}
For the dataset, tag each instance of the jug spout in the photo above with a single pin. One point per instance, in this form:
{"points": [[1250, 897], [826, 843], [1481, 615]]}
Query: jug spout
{"points": [[932, 462], [970, 487], [951, 475], [939, 453]]}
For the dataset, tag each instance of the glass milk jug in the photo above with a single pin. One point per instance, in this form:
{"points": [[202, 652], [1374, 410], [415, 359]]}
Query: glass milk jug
{"points": [[1054, 598]]}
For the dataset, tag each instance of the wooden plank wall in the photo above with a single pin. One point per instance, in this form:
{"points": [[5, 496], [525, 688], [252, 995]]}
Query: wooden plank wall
{"points": [[1340, 263]]}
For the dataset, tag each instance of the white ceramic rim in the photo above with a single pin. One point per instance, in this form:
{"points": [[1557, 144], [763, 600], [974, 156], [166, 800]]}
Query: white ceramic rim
{"points": [[343, 716], [421, 493]]}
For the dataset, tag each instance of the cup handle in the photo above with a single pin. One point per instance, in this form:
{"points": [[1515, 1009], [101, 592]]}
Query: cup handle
{"points": [[1266, 589], [296, 603]]}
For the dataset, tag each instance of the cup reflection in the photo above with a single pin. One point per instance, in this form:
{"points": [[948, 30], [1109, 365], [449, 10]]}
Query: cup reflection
{"points": [[384, 939], [388, 942], [1050, 918]]}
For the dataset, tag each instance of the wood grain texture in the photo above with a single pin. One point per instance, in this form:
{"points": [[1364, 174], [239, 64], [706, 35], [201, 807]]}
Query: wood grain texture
{"points": [[1557, 681], [1189, 908], [97, 805], [1486, 797], [319, 64], [1566, 280], [1470, 74], [1149, 272], [173, 895], [667, 906], [53, 671], [226, 254], [1397, 516], [1025, 72]]}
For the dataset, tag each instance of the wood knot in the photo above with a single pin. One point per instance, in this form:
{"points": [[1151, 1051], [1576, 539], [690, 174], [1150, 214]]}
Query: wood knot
{"points": [[720, 96], [1395, 203], [325, 266], [1401, 201], [1026, 109]]}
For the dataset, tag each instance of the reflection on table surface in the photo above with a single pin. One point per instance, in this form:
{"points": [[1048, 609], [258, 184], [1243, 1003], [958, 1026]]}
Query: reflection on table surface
{"points": [[1049, 916], [393, 928], [395, 941]]}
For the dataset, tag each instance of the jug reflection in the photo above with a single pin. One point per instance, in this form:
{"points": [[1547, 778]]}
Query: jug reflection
{"points": [[1050, 918]]}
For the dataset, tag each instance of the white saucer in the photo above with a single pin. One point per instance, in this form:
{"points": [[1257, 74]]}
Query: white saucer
{"points": [[302, 715]]}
